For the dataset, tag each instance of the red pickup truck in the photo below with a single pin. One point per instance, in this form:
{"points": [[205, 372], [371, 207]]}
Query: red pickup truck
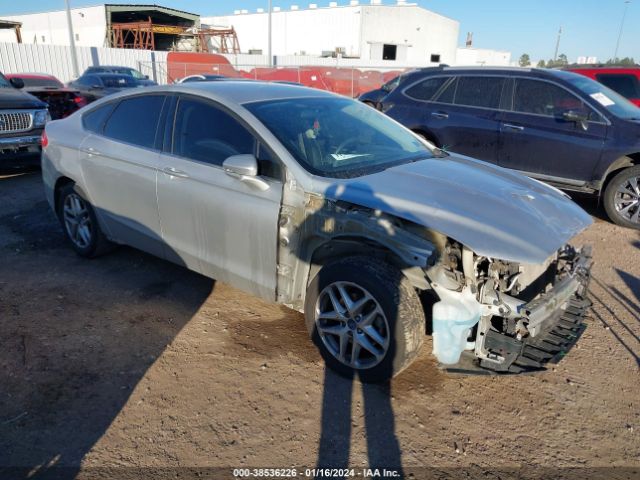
{"points": [[624, 80]]}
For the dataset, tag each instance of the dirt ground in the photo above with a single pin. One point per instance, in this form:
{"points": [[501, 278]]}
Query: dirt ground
{"points": [[132, 363]]}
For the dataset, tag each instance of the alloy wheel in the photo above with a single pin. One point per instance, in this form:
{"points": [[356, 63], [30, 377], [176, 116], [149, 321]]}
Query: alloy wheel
{"points": [[627, 200], [352, 325], [77, 220]]}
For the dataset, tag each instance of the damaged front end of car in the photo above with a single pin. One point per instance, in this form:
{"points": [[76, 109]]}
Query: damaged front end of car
{"points": [[506, 316]]}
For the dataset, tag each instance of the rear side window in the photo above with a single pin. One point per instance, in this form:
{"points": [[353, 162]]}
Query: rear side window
{"points": [[543, 98], [625, 85], [479, 91], [94, 119], [135, 120], [449, 93], [205, 133], [426, 89]]}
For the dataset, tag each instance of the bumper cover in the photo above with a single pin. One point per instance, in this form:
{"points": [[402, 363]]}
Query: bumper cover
{"points": [[19, 150]]}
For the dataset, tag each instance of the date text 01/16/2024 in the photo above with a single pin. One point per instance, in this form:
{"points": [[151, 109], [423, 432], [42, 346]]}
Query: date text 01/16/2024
{"points": [[240, 473]]}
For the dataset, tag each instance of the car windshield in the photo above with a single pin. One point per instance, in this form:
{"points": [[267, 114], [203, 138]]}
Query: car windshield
{"points": [[131, 72], [612, 101], [338, 137]]}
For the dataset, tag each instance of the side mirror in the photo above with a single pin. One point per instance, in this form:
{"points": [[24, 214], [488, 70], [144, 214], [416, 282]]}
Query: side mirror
{"points": [[577, 118], [17, 82], [146, 77], [244, 165], [245, 168]]}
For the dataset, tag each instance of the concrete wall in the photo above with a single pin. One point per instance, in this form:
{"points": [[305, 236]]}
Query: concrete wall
{"points": [[50, 28], [482, 57]]}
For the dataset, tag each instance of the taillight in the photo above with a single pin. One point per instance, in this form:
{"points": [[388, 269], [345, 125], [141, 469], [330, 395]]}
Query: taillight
{"points": [[44, 141], [80, 101]]}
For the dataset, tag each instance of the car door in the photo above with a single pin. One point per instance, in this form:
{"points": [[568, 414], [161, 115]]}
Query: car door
{"points": [[213, 222], [465, 116], [120, 159], [535, 137]]}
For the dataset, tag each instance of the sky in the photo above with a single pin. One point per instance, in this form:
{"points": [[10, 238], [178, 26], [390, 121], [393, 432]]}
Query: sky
{"points": [[589, 27]]}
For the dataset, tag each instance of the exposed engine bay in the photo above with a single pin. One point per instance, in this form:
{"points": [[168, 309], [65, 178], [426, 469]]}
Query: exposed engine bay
{"points": [[518, 317]]}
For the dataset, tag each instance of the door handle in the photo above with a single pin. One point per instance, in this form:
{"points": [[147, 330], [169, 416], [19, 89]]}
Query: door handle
{"points": [[174, 172], [441, 115], [91, 151], [509, 126]]}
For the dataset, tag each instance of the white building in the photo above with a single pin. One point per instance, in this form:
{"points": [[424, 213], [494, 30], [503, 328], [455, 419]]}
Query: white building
{"points": [[403, 32], [482, 57]]}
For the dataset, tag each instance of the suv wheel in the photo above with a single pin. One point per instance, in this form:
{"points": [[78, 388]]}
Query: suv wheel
{"points": [[622, 198], [80, 223], [364, 316]]}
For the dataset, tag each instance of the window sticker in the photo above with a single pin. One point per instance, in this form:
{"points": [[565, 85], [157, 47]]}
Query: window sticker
{"points": [[602, 99], [346, 156]]}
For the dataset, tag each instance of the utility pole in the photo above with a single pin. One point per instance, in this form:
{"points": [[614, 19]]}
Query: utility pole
{"points": [[72, 42], [555, 55], [624, 15], [269, 34]]}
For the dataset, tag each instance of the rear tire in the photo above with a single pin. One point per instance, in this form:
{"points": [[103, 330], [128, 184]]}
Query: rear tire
{"points": [[622, 198], [385, 316], [80, 224]]}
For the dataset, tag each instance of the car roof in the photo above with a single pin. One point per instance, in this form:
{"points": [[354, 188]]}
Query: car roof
{"points": [[243, 91], [109, 67], [30, 75]]}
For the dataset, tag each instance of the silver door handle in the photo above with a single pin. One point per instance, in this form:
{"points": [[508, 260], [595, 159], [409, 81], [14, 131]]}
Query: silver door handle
{"points": [[510, 126], [174, 172], [440, 115], [91, 151]]}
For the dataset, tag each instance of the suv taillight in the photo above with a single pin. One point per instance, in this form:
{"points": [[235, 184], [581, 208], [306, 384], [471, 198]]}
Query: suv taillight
{"points": [[44, 140]]}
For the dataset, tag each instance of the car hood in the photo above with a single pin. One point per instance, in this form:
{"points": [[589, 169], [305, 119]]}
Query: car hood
{"points": [[493, 211], [13, 98]]}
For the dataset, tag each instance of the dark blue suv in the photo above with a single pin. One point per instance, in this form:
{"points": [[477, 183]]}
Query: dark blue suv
{"points": [[556, 126]]}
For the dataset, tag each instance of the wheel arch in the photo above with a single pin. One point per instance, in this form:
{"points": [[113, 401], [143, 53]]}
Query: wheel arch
{"points": [[626, 161], [61, 182], [352, 245]]}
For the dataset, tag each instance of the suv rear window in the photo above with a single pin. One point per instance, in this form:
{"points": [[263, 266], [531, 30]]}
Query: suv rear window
{"points": [[626, 85], [479, 91], [426, 89]]}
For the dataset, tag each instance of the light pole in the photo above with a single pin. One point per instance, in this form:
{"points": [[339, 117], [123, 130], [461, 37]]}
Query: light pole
{"points": [[269, 35], [624, 15], [72, 42], [555, 55]]}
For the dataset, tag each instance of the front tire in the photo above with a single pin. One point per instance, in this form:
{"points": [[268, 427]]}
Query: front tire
{"points": [[365, 317], [80, 224], [622, 198]]}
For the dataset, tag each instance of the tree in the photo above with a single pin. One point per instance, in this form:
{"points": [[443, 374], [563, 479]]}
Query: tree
{"points": [[624, 62], [525, 60], [541, 64], [561, 61]]}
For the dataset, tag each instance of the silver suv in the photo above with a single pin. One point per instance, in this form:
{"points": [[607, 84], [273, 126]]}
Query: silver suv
{"points": [[325, 205]]}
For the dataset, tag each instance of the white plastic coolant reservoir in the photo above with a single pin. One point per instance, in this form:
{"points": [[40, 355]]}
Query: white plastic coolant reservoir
{"points": [[453, 317]]}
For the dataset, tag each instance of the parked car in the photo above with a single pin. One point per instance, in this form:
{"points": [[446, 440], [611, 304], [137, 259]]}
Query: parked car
{"points": [[130, 72], [204, 77], [323, 204], [62, 101], [623, 80], [373, 97], [553, 125], [94, 86], [22, 119]]}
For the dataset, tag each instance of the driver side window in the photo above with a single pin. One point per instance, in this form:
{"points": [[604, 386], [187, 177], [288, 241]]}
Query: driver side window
{"points": [[543, 98], [207, 134]]}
